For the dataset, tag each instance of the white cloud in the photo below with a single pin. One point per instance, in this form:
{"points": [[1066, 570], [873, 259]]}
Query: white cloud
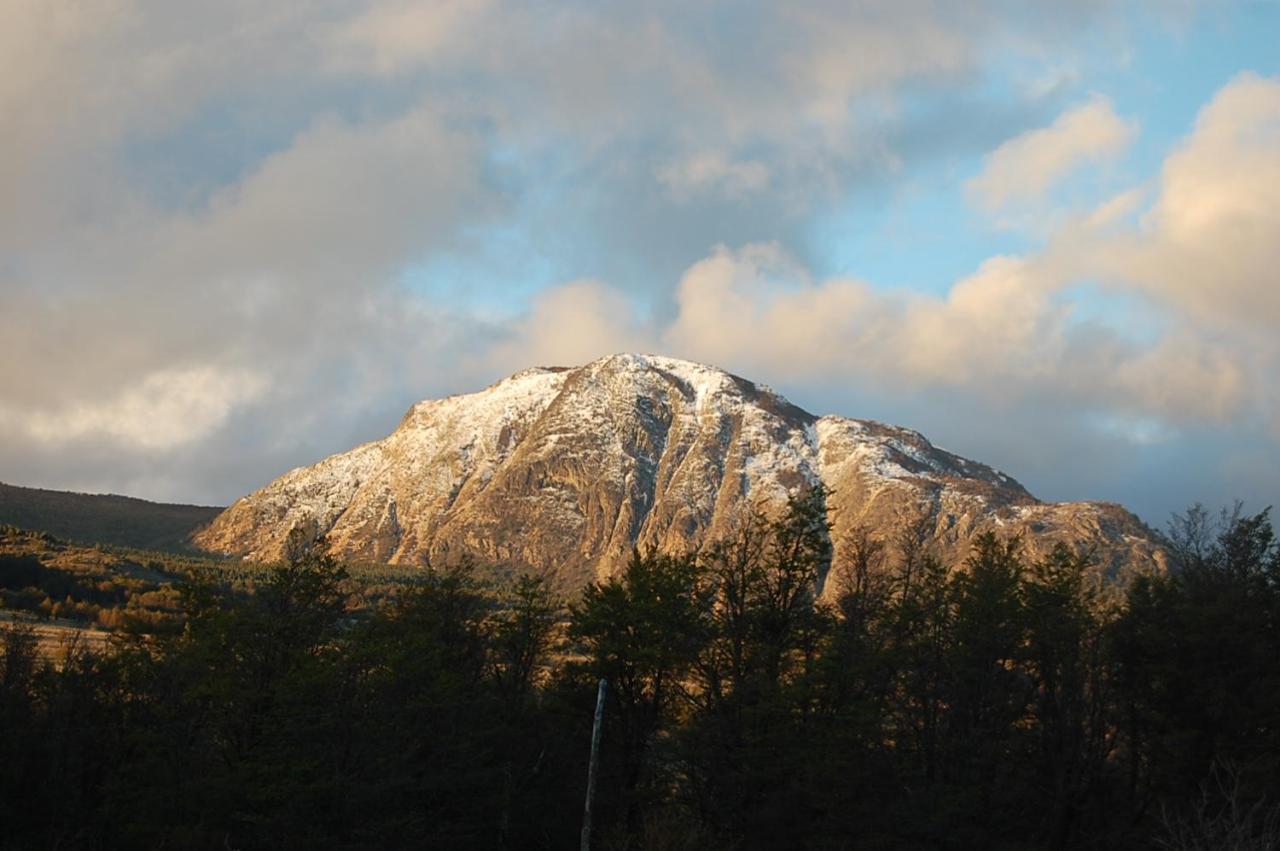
{"points": [[395, 37], [1003, 333], [165, 410], [343, 200], [1114, 210], [1211, 243], [1026, 167], [81, 81], [757, 309], [844, 52], [1185, 376], [569, 325], [713, 172]]}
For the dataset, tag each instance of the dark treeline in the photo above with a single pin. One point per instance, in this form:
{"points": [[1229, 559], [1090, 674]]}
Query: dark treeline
{"points": [[1002, 703]]}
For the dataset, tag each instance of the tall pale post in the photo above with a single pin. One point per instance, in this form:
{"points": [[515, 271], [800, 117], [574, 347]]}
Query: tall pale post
{"points": [[594, 765]]}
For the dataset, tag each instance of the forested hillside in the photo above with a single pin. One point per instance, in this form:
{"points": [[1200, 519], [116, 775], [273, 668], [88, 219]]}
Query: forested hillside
{"points": [[103, 519]]}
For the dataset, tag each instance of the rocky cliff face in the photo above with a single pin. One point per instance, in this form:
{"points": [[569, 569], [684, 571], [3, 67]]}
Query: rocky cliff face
{"points": [[563, 471]]}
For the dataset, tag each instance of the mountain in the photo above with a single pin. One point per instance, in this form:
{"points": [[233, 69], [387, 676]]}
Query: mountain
{"points": [[104, 518], [563, 471]]}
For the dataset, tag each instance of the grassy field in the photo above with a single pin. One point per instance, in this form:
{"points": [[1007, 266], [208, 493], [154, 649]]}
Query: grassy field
{"points": [[56, 637], [65, 585]]}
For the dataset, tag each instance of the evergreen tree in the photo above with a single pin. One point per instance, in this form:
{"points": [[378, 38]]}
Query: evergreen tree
{"points": [[642, 632]]}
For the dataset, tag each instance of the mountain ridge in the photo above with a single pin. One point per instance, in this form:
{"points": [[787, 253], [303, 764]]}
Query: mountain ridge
{"points": [[563, 470]]}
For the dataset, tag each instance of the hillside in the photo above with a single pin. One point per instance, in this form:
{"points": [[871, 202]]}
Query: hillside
{"points": [[103, 519]]}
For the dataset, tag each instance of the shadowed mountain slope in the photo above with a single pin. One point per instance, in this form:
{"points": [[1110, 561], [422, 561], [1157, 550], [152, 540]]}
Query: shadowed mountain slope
{"points": [[104, 518]]}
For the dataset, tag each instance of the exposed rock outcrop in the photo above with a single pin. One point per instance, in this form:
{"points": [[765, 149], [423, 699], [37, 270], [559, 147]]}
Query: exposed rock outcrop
{"points": [[563, 471]]}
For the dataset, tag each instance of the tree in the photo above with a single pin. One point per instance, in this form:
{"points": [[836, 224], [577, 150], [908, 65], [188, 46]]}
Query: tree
{"points": [[1196, 652], [238, 715], [986, 690], [755, 674], [642, 631], [523, 634], [1072, 701]]}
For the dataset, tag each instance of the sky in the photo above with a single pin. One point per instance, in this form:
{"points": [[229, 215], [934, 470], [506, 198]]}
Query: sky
{"points": [[237, 237]]}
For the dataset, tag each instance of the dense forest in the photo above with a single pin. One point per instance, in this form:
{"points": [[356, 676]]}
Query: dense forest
{"points": [[999, 703]]}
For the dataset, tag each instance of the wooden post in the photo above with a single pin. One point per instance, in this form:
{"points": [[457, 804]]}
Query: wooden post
{"points": [[593, 766]]}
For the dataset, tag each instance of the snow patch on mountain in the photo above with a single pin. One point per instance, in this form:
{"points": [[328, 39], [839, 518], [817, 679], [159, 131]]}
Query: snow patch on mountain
{"points": [[564, 470]]}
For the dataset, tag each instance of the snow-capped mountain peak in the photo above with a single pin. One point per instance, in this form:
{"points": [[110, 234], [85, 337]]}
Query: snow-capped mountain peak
{"points": [[565, 470]]}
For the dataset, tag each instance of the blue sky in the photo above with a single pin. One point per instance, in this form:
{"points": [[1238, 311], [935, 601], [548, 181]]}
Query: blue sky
{"points": [[237, 237]]}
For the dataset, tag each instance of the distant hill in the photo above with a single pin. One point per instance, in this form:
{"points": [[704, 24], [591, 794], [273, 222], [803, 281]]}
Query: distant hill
{"points": [[103, 518]]}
